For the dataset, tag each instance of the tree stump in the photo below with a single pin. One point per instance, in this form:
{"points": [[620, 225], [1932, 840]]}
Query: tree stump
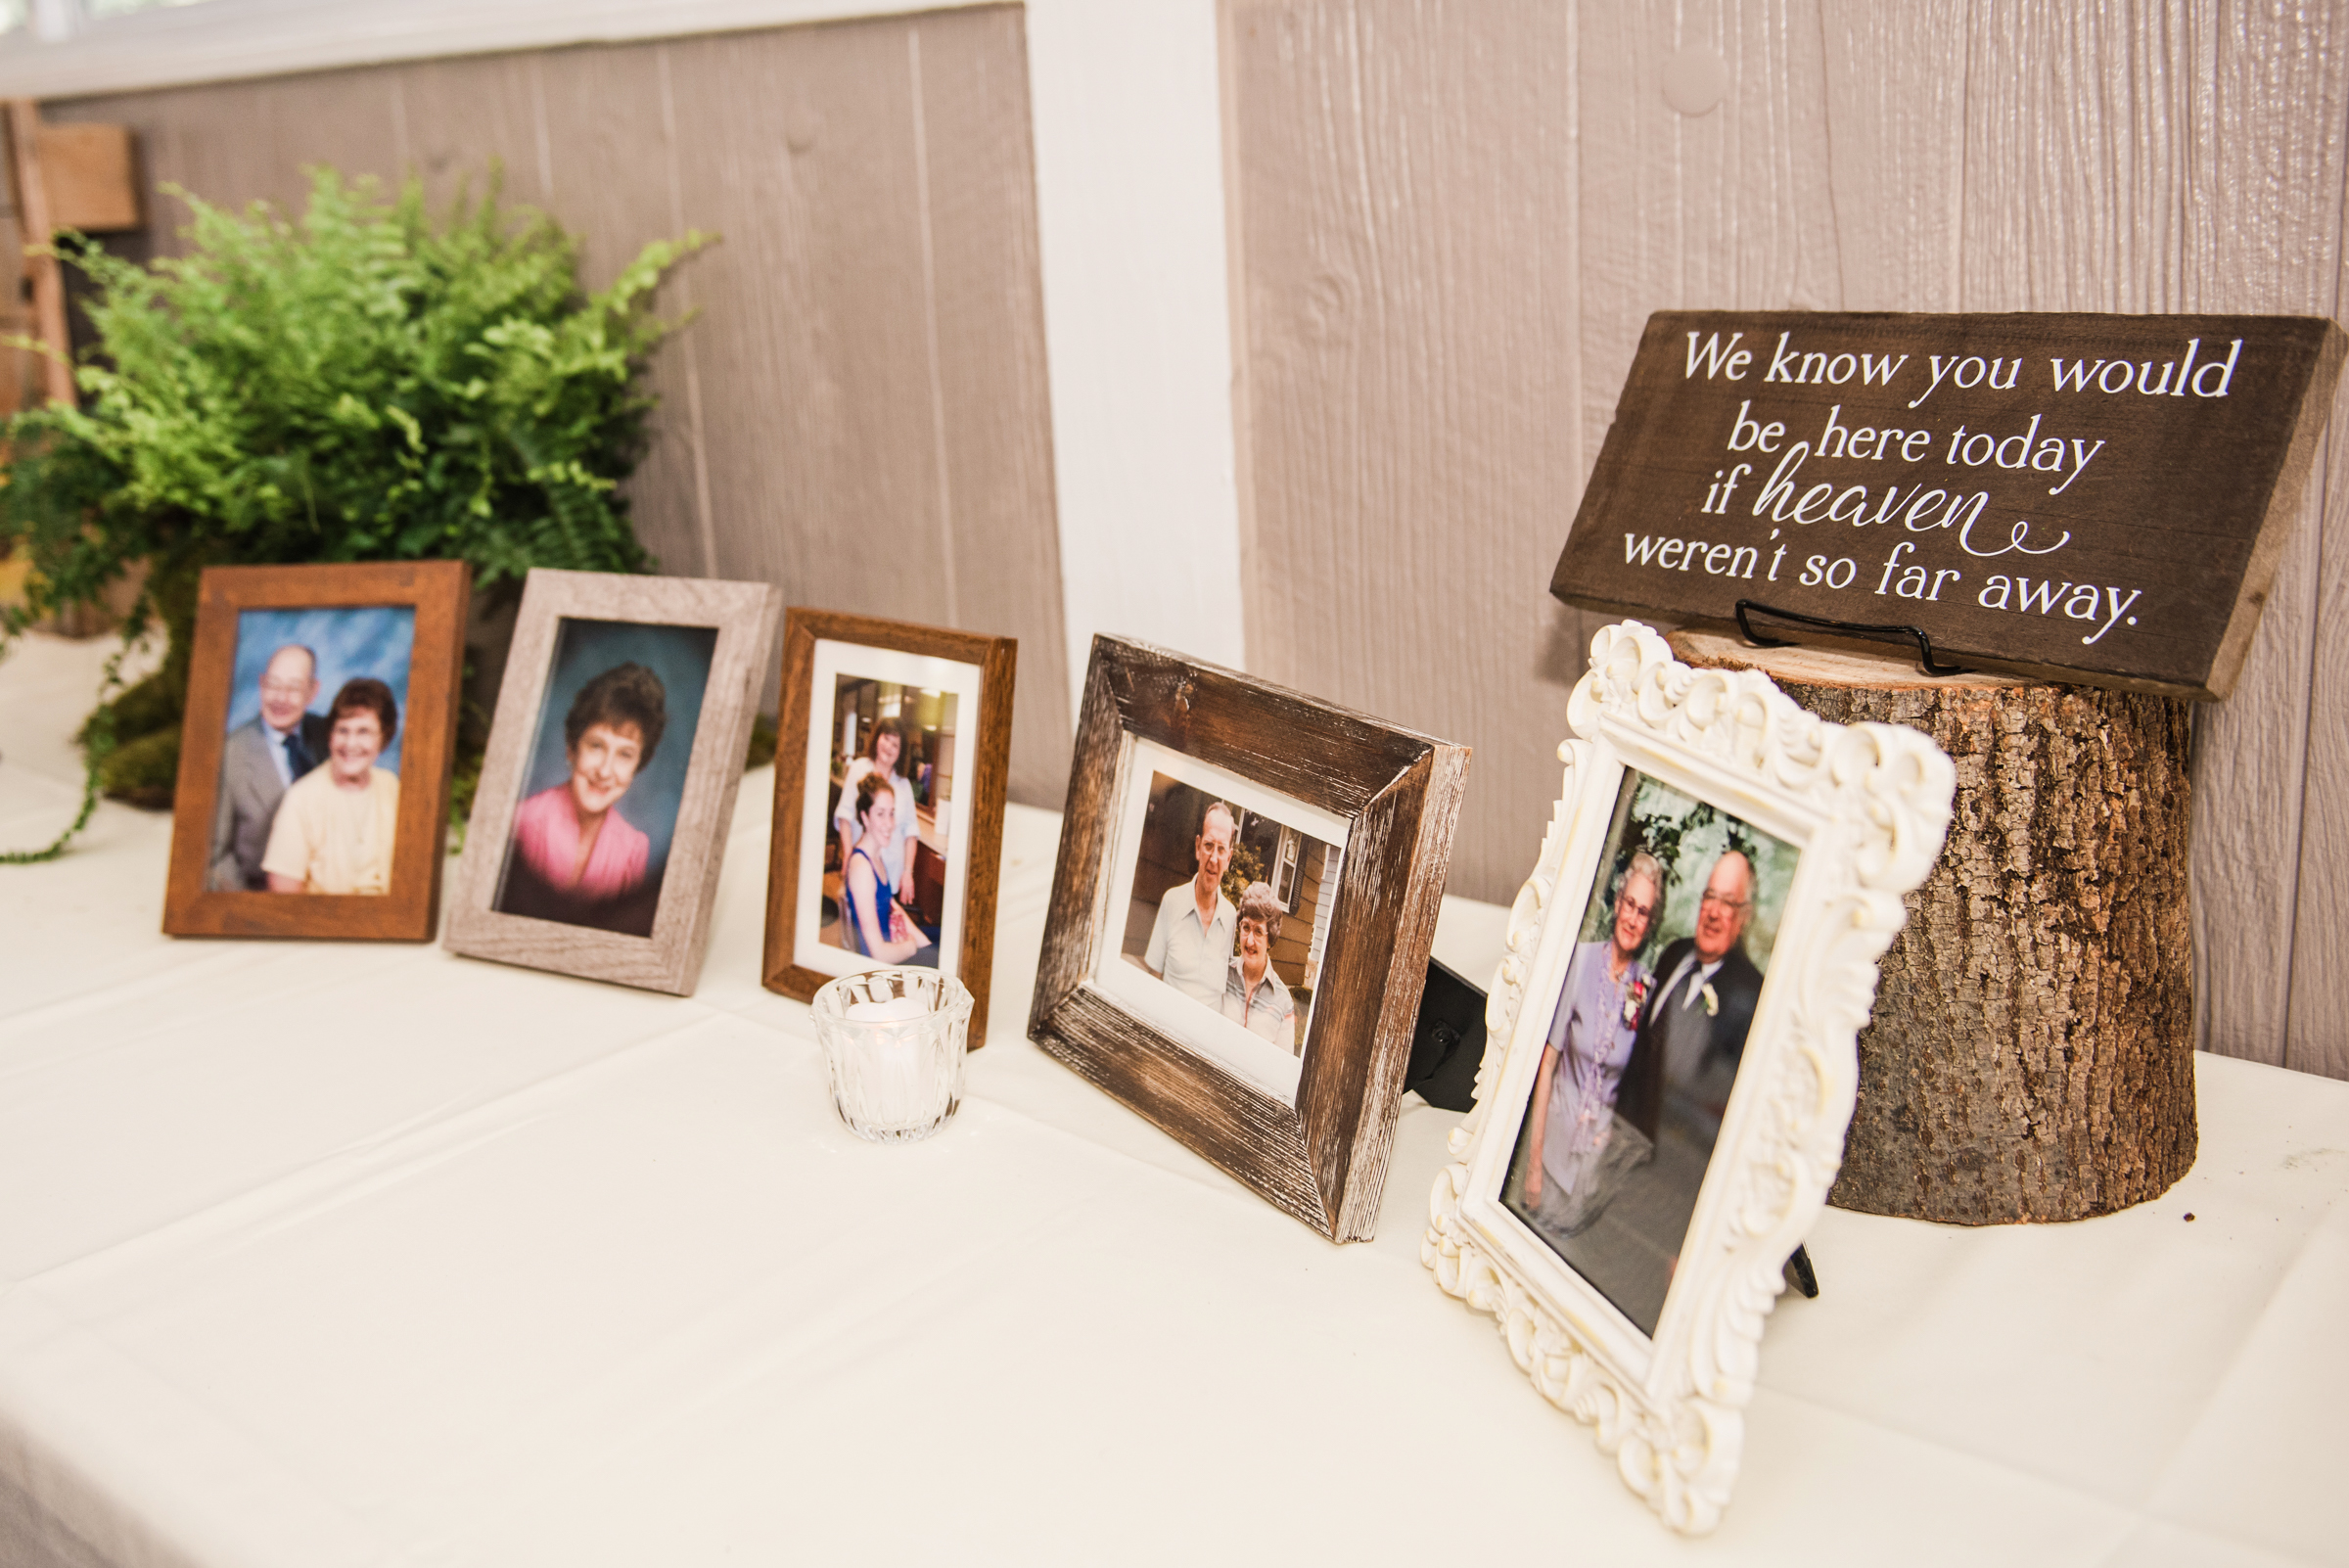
{"points": [[2031, 1053]]}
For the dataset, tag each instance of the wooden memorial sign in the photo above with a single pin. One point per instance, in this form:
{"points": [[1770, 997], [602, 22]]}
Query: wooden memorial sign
{"points": [[2090, 498]]}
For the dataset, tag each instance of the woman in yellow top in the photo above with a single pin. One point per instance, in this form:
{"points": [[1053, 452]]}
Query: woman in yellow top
{"points": [[334, 827]]}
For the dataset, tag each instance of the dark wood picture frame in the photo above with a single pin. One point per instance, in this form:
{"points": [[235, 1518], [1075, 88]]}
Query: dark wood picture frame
{"points": [[998, 660], [669, 959], [1323, 1160], [440, 594]]}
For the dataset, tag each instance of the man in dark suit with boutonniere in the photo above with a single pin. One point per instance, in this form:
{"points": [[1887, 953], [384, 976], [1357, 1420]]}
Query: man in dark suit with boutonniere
{"points": [[262, 757], [1694, 1036]]}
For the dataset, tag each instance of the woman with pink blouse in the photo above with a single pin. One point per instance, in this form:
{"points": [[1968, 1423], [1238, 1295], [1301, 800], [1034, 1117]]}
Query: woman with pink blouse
{"points": [[574, 858]]}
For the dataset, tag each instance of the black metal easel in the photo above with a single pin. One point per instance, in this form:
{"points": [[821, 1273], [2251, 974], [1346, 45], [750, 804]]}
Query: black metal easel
{"points": [[1903, 636]]}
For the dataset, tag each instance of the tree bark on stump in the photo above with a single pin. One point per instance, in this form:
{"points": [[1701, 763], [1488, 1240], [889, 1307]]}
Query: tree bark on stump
{"points": [[2031, 1055]]}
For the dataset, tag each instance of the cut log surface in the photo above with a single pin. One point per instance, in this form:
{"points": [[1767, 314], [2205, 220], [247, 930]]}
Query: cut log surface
{"points": [[2031, 1053]]}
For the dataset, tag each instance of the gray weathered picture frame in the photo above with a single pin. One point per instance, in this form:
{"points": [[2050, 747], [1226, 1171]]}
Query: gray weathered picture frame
{"points": [[743, 616]]}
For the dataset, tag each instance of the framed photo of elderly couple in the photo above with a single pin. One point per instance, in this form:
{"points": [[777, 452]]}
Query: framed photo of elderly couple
{"points": [[892, 756], [1671, 1062], [1241, 918], [609, 785], [313, 795]]}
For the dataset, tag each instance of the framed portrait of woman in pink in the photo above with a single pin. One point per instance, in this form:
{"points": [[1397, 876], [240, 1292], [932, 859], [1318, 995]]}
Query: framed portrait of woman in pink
{"points": [[611, 775]]}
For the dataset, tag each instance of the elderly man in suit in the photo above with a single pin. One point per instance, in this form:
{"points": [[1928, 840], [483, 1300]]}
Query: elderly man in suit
{"points": [[262, 757], [1694, 1035]]}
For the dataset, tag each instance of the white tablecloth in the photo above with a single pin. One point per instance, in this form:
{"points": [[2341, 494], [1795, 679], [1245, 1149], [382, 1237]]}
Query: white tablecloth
{"points": [[315, 1255]]}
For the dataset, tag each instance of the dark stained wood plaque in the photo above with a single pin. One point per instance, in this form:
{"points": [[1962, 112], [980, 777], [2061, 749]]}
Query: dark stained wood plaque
{"points": [[2090, 498]]}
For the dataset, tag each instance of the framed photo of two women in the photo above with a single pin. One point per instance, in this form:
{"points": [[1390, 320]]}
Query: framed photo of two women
{"points": [[893, 755]]}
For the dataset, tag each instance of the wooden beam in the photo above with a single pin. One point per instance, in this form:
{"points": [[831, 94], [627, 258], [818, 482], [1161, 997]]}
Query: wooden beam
{"points": [[38, 225], [91, 173]]}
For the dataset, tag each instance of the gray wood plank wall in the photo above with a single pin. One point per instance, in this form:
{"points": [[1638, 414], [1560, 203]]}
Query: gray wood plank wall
{"points": [[1451, 221], [861, 414]]}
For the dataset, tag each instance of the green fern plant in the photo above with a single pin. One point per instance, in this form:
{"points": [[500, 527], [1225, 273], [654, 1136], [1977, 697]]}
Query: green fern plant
{"points": [[367, 383]]}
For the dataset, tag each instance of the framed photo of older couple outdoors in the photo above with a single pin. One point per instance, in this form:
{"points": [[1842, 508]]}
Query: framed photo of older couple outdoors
{"points": [[893, 755], [609, 785], [312, 796], [1241, 918], [1672, 1063]]}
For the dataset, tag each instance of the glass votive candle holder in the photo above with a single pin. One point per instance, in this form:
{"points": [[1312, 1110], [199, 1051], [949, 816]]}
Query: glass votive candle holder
{"points": [[894, 1043]]}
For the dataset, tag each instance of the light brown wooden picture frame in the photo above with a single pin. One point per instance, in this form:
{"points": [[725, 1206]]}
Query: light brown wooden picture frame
{"points": [[1323, 1159], [440, 593], [743, 616], [996, 660]]}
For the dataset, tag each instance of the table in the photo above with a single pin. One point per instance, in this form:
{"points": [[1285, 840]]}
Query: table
{"points": [[315, 1255]]}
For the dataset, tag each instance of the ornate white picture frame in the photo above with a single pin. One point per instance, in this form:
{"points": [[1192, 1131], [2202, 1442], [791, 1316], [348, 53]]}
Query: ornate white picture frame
{"points": [[1860, 812]]}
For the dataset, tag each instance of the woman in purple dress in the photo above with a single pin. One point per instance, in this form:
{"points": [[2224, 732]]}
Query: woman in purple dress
{"points": [[1576, 1145]]}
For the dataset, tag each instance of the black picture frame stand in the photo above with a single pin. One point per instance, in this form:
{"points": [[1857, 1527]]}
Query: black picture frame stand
{"points": [[1904, 636], [1448, 1046]]}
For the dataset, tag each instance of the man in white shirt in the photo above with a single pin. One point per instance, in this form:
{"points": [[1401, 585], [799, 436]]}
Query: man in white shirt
{"points": [[1191, 940], [261, 758]]}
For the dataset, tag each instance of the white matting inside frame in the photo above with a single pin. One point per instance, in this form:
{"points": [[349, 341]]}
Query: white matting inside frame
{"points": [[1575, 1298], [1247, 1056], [947, 676]]}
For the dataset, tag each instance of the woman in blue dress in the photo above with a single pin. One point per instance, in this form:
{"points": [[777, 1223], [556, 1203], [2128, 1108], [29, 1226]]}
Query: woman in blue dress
{"points": [[876, 925], [1578, 1147]]}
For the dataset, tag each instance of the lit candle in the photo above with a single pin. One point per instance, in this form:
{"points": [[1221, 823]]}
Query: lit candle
{"points": [[886, 1074], [895, 1057]]}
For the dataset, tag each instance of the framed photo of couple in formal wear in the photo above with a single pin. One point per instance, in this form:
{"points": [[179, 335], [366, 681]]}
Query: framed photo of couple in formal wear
{"points": [[312, 796], [892, 757], [1671, 1062], [1241, 917], [609, 785]]}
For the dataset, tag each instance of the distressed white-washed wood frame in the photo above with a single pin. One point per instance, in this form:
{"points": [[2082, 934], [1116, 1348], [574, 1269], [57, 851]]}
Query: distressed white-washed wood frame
{"points": [[1322, 1155], [744, 615], [1867, 806]]}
